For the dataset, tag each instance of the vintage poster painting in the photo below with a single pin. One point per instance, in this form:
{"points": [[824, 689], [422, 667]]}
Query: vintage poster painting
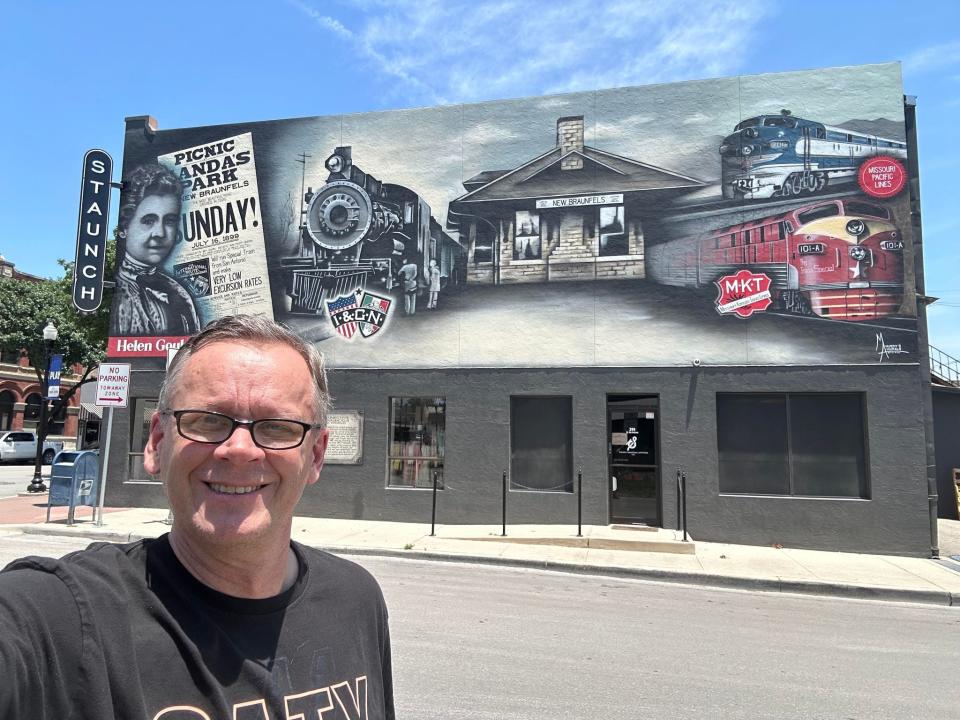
{"points": [[758, 220], [191, 246]]}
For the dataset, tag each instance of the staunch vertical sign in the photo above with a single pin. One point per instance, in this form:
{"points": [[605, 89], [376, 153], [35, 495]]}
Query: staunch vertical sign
{"points": [[92, 230]]}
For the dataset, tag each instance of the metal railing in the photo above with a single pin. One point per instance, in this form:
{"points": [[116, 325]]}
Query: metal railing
{"points": [[945, 367]]}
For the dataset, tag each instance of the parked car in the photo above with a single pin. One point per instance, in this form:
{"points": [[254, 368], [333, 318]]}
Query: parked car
{"points": [[22, 445]]}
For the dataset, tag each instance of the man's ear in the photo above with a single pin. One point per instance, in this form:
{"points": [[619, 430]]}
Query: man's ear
{"points": [[151, 452], [318, 450]]}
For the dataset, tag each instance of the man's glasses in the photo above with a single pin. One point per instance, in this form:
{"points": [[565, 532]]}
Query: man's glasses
{"points": [[213, 427]]}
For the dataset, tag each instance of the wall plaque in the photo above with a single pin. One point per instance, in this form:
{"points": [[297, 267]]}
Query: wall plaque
{"points": [[345, 446]]}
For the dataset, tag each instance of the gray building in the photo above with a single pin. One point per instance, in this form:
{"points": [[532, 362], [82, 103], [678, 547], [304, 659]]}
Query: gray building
{"points": [[673, 279]]}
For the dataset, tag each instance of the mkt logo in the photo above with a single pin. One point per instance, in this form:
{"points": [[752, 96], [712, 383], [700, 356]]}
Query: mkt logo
{"points": [[360, 310], [743, 294]]}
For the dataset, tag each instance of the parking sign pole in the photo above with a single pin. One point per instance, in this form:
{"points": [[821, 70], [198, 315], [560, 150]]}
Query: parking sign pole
{"points": [[113, 386], [103, 467]]}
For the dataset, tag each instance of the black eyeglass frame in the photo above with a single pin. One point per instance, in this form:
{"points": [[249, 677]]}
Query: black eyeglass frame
{"points": [[250, 424]]}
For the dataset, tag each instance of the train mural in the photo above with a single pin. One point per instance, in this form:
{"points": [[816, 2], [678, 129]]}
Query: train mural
{"points": [[586, 229], [358, 233], [782, 156], [837, 259]]}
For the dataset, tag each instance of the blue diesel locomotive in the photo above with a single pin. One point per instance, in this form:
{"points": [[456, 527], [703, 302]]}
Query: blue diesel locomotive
{"points": [[782, 156]]}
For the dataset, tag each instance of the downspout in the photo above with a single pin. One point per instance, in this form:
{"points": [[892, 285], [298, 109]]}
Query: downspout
{"points": [[923, 348]]}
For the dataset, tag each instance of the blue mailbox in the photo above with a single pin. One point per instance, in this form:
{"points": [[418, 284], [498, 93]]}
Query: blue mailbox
{"points": [[74, 479]]}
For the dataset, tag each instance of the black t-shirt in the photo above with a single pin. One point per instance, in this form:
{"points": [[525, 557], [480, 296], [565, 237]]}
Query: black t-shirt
{"points": [[125, 631]]}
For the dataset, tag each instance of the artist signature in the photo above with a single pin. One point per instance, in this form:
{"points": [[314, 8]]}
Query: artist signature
{"points": [[885, 350]]}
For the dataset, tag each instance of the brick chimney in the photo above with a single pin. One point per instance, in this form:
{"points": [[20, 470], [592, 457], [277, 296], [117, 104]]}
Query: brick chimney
{"points": [[570, 137]]}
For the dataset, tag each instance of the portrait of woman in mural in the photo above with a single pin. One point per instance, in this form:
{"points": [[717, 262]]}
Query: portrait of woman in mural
{"points": [[148, 301]]}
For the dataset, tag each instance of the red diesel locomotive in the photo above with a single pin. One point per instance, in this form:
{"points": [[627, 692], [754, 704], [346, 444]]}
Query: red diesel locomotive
{"points": [[839, 259]]}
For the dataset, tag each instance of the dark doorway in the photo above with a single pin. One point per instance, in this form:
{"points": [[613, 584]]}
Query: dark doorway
{"points": [[633, 459]]}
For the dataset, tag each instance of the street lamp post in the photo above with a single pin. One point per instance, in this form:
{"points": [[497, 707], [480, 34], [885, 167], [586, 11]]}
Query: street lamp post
{"points": [[49, 337]]}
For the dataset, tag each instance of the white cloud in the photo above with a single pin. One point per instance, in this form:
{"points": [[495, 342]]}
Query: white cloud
{"points": [[462, 51], [932, 58]]}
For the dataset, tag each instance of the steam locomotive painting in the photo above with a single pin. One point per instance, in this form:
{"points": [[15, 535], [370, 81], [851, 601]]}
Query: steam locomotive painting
{"points": [[838, 259], [782, 155], [357, 232]]}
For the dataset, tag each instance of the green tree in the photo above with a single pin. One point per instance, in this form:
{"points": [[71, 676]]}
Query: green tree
{"points": [[26, 306]]}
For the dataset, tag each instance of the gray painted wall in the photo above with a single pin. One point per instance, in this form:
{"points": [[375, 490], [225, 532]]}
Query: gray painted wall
{"points": [[894, 520]]}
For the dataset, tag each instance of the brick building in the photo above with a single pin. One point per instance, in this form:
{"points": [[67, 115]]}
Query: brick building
{"points": [[21, 392]]}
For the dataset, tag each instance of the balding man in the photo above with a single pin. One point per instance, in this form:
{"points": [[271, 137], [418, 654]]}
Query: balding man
{"points": [[224, 618]]}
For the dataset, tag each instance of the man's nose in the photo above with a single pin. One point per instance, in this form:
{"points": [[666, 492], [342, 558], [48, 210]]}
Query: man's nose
{"points": [[240, 446]]}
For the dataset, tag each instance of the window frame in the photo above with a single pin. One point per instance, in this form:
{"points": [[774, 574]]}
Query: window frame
{"points": [[435, 400], [569, 487], [865, 483], [619, 213], [534, 217], [135, 456]]}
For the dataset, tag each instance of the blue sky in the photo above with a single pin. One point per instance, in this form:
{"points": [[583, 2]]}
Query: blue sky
{"points": [[71, 71]]}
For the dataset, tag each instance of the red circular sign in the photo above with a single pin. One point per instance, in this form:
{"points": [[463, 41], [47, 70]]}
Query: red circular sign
{"points": [[882, 176]]}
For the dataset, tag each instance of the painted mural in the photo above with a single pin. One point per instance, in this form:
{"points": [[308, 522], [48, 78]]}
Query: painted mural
{"points": [[758, 220]]}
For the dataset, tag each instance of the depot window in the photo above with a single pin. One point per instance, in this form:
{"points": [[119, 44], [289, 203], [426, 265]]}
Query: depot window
{"points": [[417, 432], [541, 443], [526, 242], [792, 444], [613, 234], [483, 245]]}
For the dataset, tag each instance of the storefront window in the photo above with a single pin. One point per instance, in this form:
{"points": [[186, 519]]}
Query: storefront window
{"points": [[526, 242], [143, 409], [417, 429], [58, 422], [541, 443], [792, 444], [613, 235]]}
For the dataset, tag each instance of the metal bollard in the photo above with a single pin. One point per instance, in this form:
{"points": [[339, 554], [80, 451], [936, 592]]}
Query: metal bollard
{"points": [[504, 514], [433, 512], [684, 481], [580, 501]]}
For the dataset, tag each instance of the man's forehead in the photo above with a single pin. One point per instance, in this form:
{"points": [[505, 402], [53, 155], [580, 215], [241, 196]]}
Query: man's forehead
{"points": [[222, 359]]}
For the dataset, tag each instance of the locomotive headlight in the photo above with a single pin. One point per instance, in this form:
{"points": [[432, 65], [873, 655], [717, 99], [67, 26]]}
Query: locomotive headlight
{"points": [[334, 163], [856, 227], [751, 132], [339, 215], [747, 150], [858, 253]]}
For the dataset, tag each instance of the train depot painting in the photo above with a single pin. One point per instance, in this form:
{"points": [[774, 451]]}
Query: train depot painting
{"points": [[637, 251]]}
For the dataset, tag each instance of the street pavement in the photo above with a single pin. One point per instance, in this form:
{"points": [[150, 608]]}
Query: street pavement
{"points": [[656, 554]]}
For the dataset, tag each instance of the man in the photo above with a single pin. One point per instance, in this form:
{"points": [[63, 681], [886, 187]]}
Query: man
{"points": [[148, 301], [408, 279], [223, 618]]}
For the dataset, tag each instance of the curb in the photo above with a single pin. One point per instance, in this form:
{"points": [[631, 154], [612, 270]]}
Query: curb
{"points": [[729, 582], [734, 582]]}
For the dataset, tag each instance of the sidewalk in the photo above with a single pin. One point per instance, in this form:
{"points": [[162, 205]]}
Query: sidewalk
{"points": [[655, 555]]}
